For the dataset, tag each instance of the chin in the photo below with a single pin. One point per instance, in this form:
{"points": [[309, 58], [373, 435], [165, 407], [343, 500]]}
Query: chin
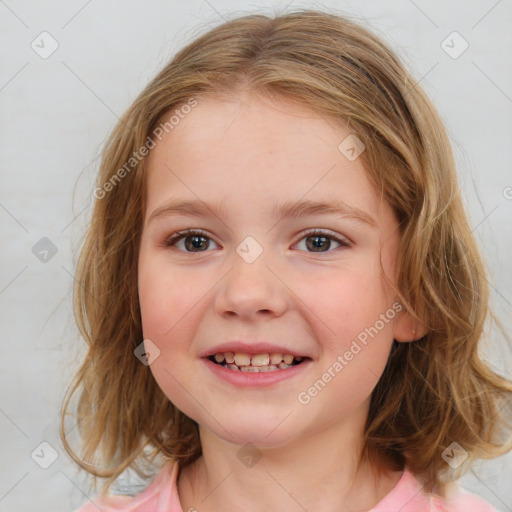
{"points": [[262, 434]]}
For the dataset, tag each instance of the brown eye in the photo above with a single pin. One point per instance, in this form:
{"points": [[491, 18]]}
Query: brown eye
{"points": [[194, 241], [320, 241]]}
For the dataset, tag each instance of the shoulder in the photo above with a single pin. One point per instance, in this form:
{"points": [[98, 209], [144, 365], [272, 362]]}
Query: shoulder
{"points": [[161, 492], [408, 496], [461, 500]]}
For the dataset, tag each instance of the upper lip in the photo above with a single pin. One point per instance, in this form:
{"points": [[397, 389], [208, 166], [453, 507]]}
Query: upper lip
{"points": [[251, 348]]}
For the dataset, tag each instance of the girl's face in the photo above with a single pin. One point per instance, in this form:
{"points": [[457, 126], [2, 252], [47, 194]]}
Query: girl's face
{"points": [[256, 281]]}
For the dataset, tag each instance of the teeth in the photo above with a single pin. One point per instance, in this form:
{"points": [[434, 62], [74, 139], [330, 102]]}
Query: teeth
{"points": [[242, 359], [257, 369], [288, 359], [260, 360], [250, 369], [258, 363], [276, 358]]}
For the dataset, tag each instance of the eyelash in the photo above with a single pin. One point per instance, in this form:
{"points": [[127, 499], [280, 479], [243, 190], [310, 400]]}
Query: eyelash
{"points": [[174, 239]]}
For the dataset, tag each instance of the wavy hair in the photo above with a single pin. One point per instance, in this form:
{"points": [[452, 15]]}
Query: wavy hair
{"points": [[434, 391]]}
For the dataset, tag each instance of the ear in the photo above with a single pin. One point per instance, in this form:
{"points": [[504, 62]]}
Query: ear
{"points": [[407, 328]]}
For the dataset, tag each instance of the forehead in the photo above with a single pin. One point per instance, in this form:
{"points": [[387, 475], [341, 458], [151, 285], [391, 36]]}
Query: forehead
{"points": [[250, 123], [249, 150]]}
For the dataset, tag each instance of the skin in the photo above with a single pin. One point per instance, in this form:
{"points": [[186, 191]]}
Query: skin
{"points": [[251, 154]]}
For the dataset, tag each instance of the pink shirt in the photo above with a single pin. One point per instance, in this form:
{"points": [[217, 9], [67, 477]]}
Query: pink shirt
{"points": [[162, 496]]}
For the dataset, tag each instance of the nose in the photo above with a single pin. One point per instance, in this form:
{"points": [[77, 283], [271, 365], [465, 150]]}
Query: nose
{"points": [[251, 290]]}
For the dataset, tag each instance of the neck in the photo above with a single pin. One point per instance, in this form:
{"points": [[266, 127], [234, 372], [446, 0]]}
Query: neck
{"points": [[322, 471]]}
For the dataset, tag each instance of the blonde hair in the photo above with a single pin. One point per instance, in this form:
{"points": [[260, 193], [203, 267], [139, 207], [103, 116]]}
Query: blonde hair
{"points": [[434, 391]]}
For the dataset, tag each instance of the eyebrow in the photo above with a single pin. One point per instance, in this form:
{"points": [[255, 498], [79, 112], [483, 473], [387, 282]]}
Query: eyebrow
{"points": [[286, 210]]}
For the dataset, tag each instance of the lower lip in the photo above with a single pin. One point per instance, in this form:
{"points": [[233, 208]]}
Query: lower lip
{"points": [[253, 379]]}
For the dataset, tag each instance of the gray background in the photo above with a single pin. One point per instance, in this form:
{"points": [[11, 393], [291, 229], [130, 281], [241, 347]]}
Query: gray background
{"points": [[55, 115]]}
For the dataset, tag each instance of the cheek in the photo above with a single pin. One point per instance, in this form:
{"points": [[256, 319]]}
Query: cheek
{"points": [[354, 357], [172, 302], [346, 303], [158, 301], [357, 343], [166, 304]]}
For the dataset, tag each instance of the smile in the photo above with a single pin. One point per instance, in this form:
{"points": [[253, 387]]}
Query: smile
{"points": [[262, 370], [258, 363]]}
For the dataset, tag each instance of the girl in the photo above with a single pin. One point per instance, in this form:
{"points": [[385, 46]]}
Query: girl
{"points": [[280, 290]]}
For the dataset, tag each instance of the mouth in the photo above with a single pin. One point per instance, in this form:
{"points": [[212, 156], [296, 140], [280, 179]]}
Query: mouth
{"points": [[258, 363]]}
